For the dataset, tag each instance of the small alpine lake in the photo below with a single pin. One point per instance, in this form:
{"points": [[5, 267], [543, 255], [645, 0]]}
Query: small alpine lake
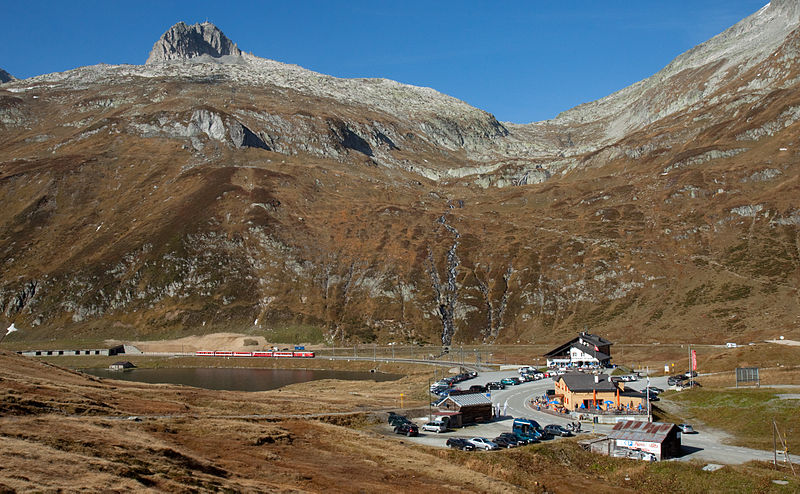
{"points": [[236, 379]]}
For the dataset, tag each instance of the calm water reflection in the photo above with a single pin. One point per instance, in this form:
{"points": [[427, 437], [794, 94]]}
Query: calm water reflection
{"points": [[236, 379]]}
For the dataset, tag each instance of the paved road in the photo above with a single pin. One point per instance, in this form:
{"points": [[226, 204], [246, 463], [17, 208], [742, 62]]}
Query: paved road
{"points": [[705, 445]]}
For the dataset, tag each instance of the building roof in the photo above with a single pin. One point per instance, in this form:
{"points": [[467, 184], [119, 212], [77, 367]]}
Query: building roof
{"points": [[587, 343], [578, 382], [469, 400], [633, 430]]}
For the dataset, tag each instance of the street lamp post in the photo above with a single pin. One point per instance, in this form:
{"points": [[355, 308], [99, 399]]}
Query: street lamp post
{"points": [[430, 407]]}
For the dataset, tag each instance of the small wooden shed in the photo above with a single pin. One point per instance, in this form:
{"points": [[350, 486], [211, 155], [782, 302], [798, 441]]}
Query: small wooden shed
{"points": [[473, 407]]}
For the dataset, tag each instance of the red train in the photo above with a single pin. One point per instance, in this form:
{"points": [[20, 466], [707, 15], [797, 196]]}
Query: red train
{"points": [[264, 353]]}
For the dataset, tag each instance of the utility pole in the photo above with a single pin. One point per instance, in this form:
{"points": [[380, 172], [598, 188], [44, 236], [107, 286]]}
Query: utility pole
{"points": [[649, 412], [430, 409], [774, 446]]}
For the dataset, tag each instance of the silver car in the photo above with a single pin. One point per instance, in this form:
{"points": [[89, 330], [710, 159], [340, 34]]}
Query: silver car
{"points": [[483, 443], [436, 427]]}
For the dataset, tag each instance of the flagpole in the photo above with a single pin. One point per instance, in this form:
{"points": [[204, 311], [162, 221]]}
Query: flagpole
{"points": [[647, 390]]}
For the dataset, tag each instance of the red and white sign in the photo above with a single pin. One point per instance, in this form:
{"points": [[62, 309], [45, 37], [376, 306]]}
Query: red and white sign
{"points": [[654, 448], [694, 360]]}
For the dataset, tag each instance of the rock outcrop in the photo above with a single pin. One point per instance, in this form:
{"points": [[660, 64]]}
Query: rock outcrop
{"points": [[6, 77], [182, 42]]}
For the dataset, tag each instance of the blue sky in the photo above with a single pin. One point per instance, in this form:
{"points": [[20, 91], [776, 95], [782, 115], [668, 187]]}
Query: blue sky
{"points": [[522, 61]]}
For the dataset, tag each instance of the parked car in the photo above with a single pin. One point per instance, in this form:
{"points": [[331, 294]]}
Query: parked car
{"points": [[505, 442], [483, 443], [521, 441], [460, 443], [400, 420], [435, 426], [653, 390], [477, 388], [408, 429], [395, 419], [691, 374], [676, 380], [690, 384], [557, 430], [528, 428], [510, 381], [495, 385], [686, 429]]}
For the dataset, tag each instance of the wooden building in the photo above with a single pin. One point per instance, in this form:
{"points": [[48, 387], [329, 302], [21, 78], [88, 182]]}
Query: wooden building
{"points": [[578, 391], [583, 351], [662, 440], [450, 418], [473, 407]]}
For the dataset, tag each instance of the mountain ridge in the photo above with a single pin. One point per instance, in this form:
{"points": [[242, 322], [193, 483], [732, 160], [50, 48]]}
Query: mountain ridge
{"points": [[204, 194]]}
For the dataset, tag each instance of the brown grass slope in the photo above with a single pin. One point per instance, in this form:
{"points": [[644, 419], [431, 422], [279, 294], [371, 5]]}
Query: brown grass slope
{"points": [[685, 229], [64, 431]]}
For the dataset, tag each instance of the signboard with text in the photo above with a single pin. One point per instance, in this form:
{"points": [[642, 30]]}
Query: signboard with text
{"points": [[650, 447]]}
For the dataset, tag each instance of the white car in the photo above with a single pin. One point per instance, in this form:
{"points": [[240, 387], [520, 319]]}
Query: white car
{"points": [[483, 443], [436, 427]]}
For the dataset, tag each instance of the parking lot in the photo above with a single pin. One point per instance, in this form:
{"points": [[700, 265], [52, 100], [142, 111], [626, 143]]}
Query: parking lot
{"points": [[706, 444], [514, 398]]}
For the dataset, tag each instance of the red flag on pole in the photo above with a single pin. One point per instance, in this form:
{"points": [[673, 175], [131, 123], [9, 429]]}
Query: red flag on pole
{"points": [[694, 360]]}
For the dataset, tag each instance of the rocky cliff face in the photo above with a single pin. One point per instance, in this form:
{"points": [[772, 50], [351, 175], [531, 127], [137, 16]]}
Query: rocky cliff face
{"points": [[182, 42], [6, 77], [253, 195]]}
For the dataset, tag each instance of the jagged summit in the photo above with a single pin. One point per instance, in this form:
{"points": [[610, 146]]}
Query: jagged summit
{"points": [[182, 42], [6, 77]]}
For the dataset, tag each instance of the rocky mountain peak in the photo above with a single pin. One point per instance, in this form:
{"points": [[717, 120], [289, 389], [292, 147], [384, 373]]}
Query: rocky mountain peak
{"points": [[182, 42], [6, 77]]}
